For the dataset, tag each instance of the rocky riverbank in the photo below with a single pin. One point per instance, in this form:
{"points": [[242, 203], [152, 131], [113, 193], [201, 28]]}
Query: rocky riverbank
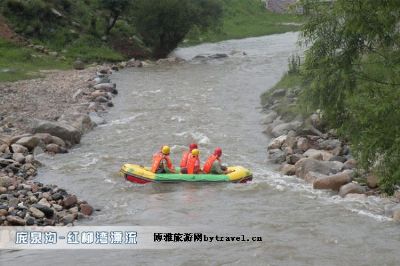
{"points": [[48, 115], [305, 148]]}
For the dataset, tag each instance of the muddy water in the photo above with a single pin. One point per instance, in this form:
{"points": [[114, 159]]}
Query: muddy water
{"points": [[212, 102]]}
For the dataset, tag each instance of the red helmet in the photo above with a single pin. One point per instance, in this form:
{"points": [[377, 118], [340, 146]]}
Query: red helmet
{"points": [[193, 146], [218, 151]]}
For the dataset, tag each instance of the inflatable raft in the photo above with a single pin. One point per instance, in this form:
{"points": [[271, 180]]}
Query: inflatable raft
{"points": [[142, 175]]}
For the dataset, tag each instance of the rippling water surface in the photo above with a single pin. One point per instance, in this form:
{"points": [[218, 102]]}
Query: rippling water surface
{"points": [[215, 103]]}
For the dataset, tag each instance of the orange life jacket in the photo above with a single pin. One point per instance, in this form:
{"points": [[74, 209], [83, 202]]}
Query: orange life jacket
{"points": [[208, 164], [193, 164], [184, 160], [157, 158]]}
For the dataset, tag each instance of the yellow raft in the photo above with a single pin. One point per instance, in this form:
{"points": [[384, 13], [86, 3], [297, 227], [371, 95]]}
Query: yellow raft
{"points": [[141, 175]]}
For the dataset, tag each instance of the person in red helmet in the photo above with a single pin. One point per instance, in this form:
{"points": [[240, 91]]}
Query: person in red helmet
{"points": [[213, 164], [185, 158]]}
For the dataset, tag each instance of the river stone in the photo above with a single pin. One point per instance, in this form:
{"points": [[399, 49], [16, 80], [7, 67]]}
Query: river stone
{"points": [[44, 202], [78, 65], [338, 159], [19, 157], [269, 117], [333, 182], [276, 143], [70, 201], [3, 212], [4, 148], [53, 148], [306, 165], [312, 176], [351, 188], [30, 221], [318, 154], [288, 169], [96, 119], [15, 220], [284, 128], [67, 219], [5, 181], [277, 156], [350, 164], [57, 207], [17, 148], [60, 129], [3, 190], [57, 196], [36, 212], [29, 142], [372, 181], [86, 209], [107, 87], [48, 212], [330, 144], [44, 137]]}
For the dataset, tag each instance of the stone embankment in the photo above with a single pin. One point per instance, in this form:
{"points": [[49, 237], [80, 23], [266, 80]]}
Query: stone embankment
{"points": [[305, 149], [48, 115]]}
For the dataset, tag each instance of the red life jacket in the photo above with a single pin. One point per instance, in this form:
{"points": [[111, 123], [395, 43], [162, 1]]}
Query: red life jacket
{"points": [[208, 164], [184, 160], [157, 158], [193, 164]]}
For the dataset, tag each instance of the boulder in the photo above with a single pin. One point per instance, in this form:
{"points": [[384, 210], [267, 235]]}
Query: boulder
{"points": [[303, 144], [312, 176], [330, 144], [19, 157], [288, 169], [29, 142], [60, 129], [4, 148], [333, 182], [78, 65], [277, 142], [338, 159], [80, 121], [106, 87], [5, 181], [306, 165], [18, 137], [53, 148], [269, 117], [372, 181], [17, 148], [58, 141], [44, 137], [277, 156], [101, 99], [278, 93], [351, 188], [96, 119], [318, 154], [284, 128], [98, 93], [294, 158], [350, 164]]}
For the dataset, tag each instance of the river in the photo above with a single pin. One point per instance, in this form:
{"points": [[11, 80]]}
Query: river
{"points": [[215, 103]]}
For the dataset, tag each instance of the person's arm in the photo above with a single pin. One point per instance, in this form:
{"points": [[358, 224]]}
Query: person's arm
{"points": [[216, 168]]}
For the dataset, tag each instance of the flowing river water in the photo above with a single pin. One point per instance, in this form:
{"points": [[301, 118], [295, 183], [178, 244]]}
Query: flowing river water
{"points": [[215, 103]]}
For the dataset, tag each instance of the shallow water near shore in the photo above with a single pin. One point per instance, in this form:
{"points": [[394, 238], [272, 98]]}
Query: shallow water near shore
{"points": [[215, 103]]}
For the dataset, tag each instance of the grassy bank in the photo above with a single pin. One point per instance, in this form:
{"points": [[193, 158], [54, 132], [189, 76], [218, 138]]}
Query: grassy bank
{"points": [[247, 18], [288, 107]]}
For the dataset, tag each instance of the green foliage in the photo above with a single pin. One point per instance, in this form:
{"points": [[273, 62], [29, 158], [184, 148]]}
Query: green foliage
{"points": [[352, 71], [114, 8], [294, 64], [22, 63], [164, 24], [246, 18]]}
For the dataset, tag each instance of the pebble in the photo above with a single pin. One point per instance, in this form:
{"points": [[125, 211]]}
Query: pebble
{"points": [[36, 213]]}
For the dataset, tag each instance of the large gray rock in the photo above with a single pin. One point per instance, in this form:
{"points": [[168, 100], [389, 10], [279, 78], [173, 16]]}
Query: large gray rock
{"points": [[306, 165], [277, 156], [318, 154], [96, 119], [288, 169], [312, 176], [277, 142], [29, 142], [330, 144], [107, 87], [269, 117], [17, 148], [80, 121], [60, 129], [19, 157], [351, 188], [284, 128], [303, 144], [333, 182]]}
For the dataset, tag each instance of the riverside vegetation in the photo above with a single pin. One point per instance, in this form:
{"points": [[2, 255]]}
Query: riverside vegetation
{"points": [[53, 34], [347, 88]]}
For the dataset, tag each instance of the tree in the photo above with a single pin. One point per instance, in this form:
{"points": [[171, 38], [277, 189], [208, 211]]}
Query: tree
{"points": [[114, 8], [352, 72], [164, 24]]}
